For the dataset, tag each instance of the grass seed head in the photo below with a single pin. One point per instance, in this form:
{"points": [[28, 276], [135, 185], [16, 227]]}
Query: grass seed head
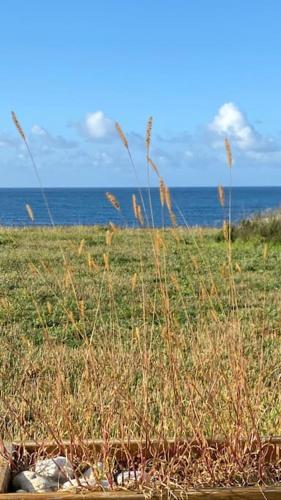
{"points": [[113, 200], [29, 212], [228, 152], [168, 199], [162, 192], [140, 215], [148, 135], [18, 126], [221, 195], [135, 205], [121, 135]]}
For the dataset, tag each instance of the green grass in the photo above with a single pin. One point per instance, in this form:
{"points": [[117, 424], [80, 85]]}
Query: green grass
{"points": [[105, 343], [23, 287]]}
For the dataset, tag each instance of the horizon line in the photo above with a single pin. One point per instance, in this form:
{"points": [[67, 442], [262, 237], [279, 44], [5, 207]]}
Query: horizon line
{"points": [[138, 187]]}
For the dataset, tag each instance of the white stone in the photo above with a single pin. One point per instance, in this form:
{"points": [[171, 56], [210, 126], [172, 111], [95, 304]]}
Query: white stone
{"points": [[104, 484], [57, 468], [31, 482], [128, 476], [82, 483], [85, 483], [89, 474], [21, 491]]}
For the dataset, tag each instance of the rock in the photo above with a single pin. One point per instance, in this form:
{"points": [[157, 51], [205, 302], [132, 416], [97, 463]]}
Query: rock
{"points": [[29, 481], [21, 491], [104, 484], [86, 483], [128, 476], [57, 468], [82, 483]]}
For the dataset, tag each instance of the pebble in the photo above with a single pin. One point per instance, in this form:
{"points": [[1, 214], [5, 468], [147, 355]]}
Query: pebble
{"points": [[29, 481], [57, 468]]}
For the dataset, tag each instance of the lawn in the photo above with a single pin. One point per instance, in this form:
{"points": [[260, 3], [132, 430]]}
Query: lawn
{"points": [[108, 331]]}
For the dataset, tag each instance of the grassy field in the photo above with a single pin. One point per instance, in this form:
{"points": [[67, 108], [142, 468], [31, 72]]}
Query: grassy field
{"points": [[138, 333]]}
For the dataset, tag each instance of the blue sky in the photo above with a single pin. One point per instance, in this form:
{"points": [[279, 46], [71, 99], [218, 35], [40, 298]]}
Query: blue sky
{"points": [[204, 69]]}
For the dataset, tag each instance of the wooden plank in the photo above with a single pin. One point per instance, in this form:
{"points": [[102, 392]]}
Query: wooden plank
{"points": [[137, 446], [250, 493], [4, 467]]}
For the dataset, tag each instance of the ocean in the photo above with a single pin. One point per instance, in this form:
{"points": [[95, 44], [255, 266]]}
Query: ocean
{"points": [[89, 206]]}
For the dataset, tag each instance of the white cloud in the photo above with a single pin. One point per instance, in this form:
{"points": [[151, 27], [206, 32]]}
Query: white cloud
{"points": [[97, 126], [231, 122]]}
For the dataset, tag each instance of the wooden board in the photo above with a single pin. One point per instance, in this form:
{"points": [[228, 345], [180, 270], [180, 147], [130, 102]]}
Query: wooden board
{"points": [[273, 493], [4, 468], [135, 446]]}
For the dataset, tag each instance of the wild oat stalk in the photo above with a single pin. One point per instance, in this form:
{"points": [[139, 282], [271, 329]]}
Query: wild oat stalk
{"points": [[228, 152], [139, 215], [126, 144], [221, 195], [29, 212], [36, 171], [135, 205], [154, 166], [162, 192], [122, 135], [148, 143], [113, 200], [229, 160], [18, 126], [23, 136], [148, 137]]}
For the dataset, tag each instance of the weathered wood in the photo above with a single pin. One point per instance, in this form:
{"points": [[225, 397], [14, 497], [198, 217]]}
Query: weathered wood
{"points": [[4, 468], [273, 493], [135, 446]]}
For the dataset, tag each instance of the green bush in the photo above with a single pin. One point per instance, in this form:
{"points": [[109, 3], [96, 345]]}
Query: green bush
{"points": [[265, 228]]}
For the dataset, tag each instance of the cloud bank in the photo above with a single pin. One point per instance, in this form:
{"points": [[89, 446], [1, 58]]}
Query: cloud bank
{"points": [[93, 144]]}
